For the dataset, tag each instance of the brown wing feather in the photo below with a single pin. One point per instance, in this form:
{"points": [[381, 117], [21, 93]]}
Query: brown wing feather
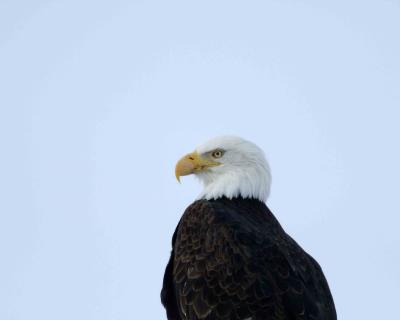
{"points": [[232, 260]]}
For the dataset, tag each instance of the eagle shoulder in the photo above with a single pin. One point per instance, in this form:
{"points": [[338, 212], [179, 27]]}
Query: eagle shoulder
{"points": [[231, 259]]}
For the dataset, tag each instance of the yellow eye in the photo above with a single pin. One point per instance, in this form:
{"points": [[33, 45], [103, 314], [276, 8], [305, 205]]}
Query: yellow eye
{"points": [[217, 154]]}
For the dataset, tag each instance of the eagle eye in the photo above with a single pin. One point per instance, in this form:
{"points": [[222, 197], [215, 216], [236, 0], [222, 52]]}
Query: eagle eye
{"points": [[216, 154]]}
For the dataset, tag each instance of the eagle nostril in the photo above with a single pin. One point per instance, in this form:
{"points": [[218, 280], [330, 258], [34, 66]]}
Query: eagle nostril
{"points": [[191, 158]]}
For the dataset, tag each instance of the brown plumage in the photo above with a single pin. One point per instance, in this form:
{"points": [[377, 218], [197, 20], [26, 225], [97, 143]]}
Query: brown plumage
{"points": [[231, 260]]}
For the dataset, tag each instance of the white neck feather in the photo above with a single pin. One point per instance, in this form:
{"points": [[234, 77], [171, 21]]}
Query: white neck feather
{"points": [[246, 182]]}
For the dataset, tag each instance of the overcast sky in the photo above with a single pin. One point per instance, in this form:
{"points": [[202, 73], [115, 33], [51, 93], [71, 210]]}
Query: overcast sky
{"points": [[98, 99]]}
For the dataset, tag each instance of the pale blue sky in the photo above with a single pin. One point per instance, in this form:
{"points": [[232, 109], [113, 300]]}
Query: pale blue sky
{"points": [[98, 99]]}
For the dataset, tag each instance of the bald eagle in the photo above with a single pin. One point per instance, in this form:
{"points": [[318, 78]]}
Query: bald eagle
{"points": [[231, 259]]}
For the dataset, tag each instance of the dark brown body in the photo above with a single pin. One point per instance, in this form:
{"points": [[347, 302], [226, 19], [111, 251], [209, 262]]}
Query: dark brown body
{"points": [[232, 260]]}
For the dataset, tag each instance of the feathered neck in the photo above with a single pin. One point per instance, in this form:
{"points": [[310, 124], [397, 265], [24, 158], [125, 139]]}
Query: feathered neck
{"points": [[242, 181]]}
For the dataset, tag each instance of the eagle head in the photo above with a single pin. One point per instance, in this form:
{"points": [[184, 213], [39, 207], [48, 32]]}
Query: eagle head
{"points": [[228, 166]]}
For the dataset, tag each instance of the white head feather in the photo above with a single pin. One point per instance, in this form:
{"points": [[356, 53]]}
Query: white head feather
{"points": [[244, 170]]}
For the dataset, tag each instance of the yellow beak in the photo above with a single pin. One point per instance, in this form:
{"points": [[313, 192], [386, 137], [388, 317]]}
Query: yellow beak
{"points": [[192, 163]]}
